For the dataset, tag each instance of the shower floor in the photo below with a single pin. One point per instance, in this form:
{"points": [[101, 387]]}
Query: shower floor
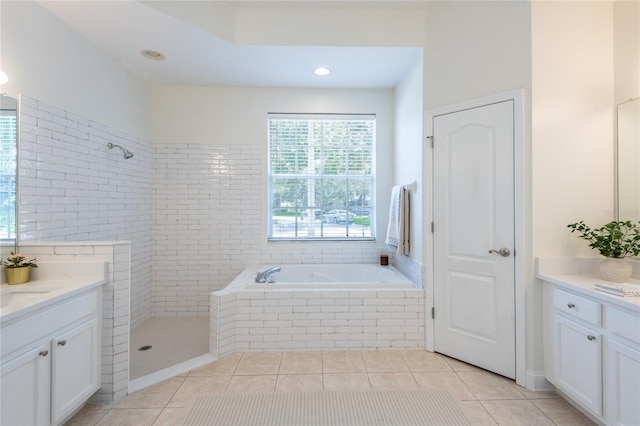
{"points": [[172, 340]]}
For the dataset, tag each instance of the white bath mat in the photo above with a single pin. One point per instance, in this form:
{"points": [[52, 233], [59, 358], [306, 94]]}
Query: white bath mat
{"points": [[364, 408]]}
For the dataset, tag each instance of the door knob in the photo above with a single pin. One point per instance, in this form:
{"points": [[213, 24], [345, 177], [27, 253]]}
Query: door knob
{"points": [[504, 252]]}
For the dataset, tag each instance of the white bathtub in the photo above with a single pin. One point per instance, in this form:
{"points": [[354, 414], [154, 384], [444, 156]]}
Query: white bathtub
{"points": [[332, 276], [318, 307]]}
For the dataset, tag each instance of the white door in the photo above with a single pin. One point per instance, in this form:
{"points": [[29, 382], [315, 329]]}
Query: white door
{"points": [[473, 211]]}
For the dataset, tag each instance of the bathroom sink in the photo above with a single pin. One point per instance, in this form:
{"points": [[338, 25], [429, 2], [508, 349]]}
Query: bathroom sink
{"points": [[23, 295]]}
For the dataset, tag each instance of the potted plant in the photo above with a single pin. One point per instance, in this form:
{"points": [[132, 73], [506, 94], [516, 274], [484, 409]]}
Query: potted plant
{"points": [[18, 268], [615, 241]]}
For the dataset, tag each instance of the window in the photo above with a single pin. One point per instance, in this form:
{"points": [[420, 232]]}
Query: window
{"points": [[321, 177], [8, 123]]}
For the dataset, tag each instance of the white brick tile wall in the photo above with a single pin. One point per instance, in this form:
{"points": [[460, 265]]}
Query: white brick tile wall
{"points": [[73, 188]]}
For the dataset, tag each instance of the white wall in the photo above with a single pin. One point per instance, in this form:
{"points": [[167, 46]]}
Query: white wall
{"points": [[409, 143], [572, 134], [573, 122], [475, 49], [46, 60]]}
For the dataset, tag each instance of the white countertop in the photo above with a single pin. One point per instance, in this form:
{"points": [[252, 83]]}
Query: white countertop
{"points": [[50, 284], [578, 275]]}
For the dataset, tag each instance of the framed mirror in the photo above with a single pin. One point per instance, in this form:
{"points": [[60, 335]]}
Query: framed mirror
{"points": [[8, 169]]}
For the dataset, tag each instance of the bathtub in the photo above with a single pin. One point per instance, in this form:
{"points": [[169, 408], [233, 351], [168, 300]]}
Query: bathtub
{"points": [[330, 276], [318, 307]]}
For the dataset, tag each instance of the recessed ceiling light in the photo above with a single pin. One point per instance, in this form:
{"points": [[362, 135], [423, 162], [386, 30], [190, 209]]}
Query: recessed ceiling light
{"points": [[322, 71], [152, 54]]}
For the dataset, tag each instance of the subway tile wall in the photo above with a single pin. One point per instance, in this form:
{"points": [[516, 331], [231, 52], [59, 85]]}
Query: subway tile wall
{"points": [[73, 188], [194, 213]]}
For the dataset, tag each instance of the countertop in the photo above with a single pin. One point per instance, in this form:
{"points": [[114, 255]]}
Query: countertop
{"points": [[51, 284], [578, 275]]}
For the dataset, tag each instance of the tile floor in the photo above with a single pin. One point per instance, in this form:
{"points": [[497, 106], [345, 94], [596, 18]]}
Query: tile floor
{"points": [[486, 398]]}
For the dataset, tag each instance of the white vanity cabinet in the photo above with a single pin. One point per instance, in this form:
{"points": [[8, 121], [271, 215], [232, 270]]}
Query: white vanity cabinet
{"points": [[50, 361], [592, 348], [577, 349]]}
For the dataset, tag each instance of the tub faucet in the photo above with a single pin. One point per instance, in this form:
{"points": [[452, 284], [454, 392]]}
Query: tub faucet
{"points": [[263, 277]]}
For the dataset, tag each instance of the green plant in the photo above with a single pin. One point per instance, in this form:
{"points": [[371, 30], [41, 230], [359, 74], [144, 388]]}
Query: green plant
{"points": [[17, 260], [615, 239]]}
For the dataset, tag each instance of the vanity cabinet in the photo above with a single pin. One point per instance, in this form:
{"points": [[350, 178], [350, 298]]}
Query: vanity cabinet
{"points": [[51, 361], [592, 351], [578, 360]]}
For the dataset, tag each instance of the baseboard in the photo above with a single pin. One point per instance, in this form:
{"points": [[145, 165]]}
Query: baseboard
{"points": [[537, 382]]}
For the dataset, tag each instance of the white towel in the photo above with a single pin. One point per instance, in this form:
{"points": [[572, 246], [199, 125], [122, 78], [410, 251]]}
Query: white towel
{"points": [[398, 228]]}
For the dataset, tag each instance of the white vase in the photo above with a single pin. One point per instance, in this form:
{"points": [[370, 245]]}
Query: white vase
{"points": [[615, 270]]}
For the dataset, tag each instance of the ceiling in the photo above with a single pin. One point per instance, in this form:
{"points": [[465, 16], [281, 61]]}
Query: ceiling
{"points": [[197, 57]]}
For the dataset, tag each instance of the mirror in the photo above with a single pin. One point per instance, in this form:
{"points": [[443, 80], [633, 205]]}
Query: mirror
{"points": [[628, 179], [8, 170]]}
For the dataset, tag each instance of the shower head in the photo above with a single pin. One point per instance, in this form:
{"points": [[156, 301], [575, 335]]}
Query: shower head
{"points": [[127, 154]]}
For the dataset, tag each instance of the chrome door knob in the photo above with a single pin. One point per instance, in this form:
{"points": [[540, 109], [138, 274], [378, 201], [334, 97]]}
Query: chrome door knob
{"points": [[504, 252]]}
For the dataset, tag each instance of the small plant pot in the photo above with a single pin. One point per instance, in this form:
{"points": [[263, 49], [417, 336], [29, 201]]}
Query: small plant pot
{"points": [[18, 275], [615, 270]]}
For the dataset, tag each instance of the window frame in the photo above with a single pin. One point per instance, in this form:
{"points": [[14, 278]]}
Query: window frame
{"points": [[368, 179]]}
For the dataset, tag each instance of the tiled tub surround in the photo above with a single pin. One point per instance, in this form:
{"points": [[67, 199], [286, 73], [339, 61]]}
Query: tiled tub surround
{"points": [[281, 320], [209, 225]]}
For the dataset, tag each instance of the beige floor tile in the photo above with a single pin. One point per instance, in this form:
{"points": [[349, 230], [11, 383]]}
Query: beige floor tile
{"points": [[130, 417], [254, 363], [346, 382], [193, 386], [516, 412], [487, 386], [225, 366], [384, 362], [425, 361], [257, 383], [444, 380], [342, 362], [299, 383], [156, 396], [171, 417], [476, 413], [561, 412], [301, 363], [87, 416], [529, 394], [166, 386], [392, 381]]}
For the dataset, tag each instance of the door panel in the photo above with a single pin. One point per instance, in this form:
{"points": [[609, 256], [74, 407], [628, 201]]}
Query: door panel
{"points": [[474, 289]]}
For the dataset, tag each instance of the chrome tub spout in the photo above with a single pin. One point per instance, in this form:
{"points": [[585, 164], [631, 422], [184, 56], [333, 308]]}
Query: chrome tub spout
{"points": [[263, 277]]}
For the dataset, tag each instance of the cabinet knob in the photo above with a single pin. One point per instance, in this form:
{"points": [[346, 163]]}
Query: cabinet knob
{"points": [[570, 305], [62, 342], [590, 337], [44, 353]]}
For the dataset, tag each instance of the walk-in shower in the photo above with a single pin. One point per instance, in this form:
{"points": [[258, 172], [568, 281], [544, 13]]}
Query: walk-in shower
{"points": [[127, 154]]}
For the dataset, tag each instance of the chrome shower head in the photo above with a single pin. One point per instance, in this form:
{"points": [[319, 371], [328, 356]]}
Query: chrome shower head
{"points": [[127, 154]]}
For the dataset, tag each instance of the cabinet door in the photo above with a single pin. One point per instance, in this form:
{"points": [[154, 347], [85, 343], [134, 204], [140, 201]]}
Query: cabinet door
{"points": [[623, 384], [75, 370], [24, 388], [579, 363]]}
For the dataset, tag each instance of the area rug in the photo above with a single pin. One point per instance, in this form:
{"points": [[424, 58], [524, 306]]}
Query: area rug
{"points": [[364, 408]]}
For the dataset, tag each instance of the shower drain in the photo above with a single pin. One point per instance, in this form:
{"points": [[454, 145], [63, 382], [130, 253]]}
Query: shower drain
{"points": [[145, 348]]}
